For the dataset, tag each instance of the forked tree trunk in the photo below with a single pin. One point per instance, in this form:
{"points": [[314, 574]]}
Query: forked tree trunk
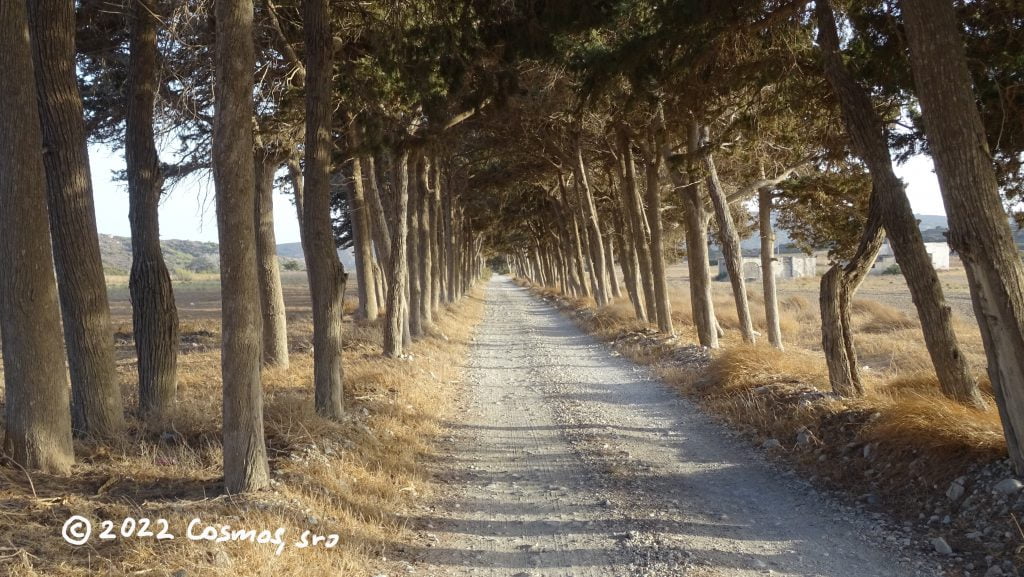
{"points": [[327, 279], [641, 234], [659, 280], [868, 135], [838, 286], [393, 315], [96, 406], [771, 299], [979, 230], [245, 458], [601, 292], [275, 320], [38, 425], [154, 313], [378, 212], [731, 249]]}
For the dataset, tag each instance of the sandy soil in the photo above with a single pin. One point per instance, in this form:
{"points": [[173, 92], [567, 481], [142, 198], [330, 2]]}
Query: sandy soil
{"points": [[567, 460]]}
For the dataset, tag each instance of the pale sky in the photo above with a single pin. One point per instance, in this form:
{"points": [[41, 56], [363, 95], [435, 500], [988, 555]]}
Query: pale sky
{"points": [[188, 211]]}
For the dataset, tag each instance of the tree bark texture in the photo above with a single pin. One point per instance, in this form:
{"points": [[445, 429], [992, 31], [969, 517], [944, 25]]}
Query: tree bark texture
{"points": [[594, 231], [154, 313], [275, 319], [978, 226], [771, 297], [245, 457], [96, 406], [731, 250], [659, 278], [327, 279], [393, 342], [38, 424], [869, 139]]}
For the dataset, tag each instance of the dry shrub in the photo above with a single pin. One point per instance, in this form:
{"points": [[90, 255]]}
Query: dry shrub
{"points": [[616, 317], [797, 305], [881, 318], [938, 425], [749, 366]]}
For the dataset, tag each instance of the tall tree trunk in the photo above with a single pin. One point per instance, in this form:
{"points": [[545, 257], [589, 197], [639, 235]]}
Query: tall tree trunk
{"points": [[696, 221], [362, 244], [425, 243], [327, 279], [731, 250], [96, 407], [378, 212], [868, 135], [275, 320], [38, 425], [577, 238], [298, 191], [594, 230], [771, 299], [613, 279], [245, 457], [838, 286], [436, 279], [154, 314], [415, 289], [393, 315], [979, 230], [630, 265], [637, 223], [659, 280]]}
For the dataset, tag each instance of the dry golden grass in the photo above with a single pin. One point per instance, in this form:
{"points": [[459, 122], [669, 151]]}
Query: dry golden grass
{"points": [[748, 366], [917, 432], [358, 478]]}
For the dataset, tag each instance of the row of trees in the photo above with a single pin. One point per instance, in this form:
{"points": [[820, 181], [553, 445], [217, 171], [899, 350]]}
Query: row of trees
{"points": [[800, 108], [582, 140], [280, 103]]}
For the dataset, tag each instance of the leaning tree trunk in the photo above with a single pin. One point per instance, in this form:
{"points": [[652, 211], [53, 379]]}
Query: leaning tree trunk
{"points": [[154, 314], [38, 426], [393, 321], [637, 223], [275, 321], [594, 230], [577, 238], [659, 279], [96, 406], [731, 249], [979, 230], [869, 139], [771, 297], [838, 286], [436, 265], [245, 457], [630, 264], [327, 279]]}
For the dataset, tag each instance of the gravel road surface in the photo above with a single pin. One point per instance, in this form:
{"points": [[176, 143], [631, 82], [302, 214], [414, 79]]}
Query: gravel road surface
{"points": [[567, 460]]}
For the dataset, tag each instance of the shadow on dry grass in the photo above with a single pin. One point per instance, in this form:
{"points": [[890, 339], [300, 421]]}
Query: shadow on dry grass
{"points": [[354, 478]]}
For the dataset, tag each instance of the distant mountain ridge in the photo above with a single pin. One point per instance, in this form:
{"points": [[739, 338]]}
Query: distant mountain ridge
{"points": [[194, 255]]}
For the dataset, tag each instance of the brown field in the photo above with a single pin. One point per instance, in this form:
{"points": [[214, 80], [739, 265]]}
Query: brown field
{"points": [[355, 478]]}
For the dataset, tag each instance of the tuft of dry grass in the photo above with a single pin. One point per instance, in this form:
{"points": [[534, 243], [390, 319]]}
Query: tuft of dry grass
{"points": [[881, 318], [938, 426], [748, 366]]}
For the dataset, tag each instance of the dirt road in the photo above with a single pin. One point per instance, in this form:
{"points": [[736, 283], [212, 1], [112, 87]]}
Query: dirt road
{"points": [[569, 461]]}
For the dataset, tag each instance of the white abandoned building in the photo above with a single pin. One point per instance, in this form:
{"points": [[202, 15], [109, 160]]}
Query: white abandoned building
{"points": [[786, 266], [938, 251]]}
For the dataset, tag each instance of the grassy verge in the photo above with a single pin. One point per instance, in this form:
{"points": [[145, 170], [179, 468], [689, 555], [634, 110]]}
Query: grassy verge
{"points": [[354, 479]]}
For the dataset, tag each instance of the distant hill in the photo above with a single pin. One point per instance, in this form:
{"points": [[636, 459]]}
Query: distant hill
{"points": [[196, 256]]}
